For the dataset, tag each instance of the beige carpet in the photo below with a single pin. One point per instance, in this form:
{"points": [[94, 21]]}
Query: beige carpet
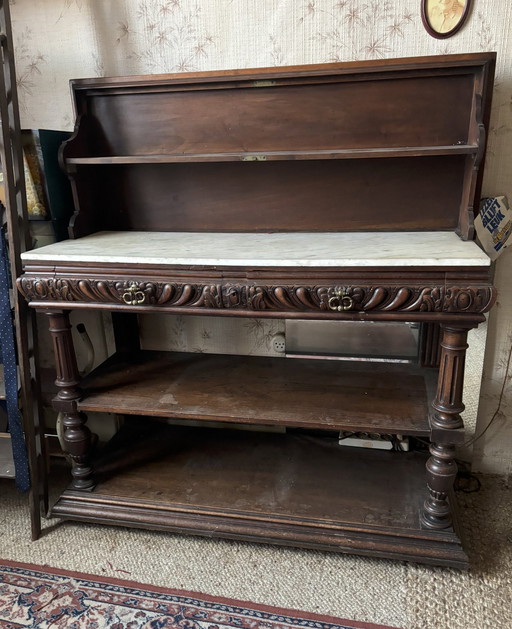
{"points": [[378, 591]]}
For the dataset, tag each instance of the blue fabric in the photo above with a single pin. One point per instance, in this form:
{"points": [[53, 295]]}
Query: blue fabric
{"points": [[8, 357]]}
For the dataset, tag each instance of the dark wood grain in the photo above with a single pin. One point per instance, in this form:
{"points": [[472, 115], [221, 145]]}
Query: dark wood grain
{"points": [[280, 300], [333, 195], [258, 390], [430, 350], [323, 154], [446, 420], [438, 64], [76, 435], [376, 145], [176, 164], [268, 118], [288, 489]]}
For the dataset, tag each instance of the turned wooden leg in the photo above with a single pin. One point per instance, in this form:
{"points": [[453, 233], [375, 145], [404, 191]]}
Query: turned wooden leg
{"points": [[446, 426], [77, 437]]}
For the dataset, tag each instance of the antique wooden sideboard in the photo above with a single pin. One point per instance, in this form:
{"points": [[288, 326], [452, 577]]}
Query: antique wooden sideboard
{"points": [[332, 192]]}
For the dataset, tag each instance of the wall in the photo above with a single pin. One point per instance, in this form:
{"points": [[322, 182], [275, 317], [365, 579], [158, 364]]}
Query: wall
{"points": [[61, 39]]}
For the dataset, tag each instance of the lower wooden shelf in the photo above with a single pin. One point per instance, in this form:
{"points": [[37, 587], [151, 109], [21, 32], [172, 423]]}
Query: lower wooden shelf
{"points": [[293, 489]]}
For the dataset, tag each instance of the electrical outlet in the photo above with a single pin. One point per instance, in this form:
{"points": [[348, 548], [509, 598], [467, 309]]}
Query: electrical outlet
{"points": [[279, 343]]}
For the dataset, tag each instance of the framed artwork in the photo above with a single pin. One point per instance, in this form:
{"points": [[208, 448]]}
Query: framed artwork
{"points": [[443, 18]]}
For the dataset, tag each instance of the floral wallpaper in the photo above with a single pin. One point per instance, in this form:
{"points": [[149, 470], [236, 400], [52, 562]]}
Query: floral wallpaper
{"points": [[179, 333], [57, 40]]}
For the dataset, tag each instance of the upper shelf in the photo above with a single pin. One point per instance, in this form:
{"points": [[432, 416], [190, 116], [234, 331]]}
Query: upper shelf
{"points": [[260, 156], [425, 119]]}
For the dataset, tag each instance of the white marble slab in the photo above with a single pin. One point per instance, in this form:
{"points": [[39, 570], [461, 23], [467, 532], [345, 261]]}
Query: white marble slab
{"points": [[385, 249]]}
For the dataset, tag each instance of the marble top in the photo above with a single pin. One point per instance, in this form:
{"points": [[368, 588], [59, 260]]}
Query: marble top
{"points": [[347, 249]]}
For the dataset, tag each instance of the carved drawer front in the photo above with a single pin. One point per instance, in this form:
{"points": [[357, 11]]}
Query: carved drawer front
{"points": [[261, 297]]}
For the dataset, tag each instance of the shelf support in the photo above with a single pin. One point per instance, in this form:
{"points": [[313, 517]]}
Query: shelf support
{"points": [[77, 436], [446, 425]]}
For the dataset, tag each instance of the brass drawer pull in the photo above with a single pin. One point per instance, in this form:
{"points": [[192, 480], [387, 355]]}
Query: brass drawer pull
{"points": [[340, 301], [134, 296]]}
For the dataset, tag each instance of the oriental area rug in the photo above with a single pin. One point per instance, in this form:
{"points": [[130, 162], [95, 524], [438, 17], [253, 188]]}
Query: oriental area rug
{"points": [[42, 597]]}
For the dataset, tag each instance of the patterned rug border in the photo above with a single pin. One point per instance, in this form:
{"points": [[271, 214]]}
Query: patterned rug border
{"points": [[294, 614]]}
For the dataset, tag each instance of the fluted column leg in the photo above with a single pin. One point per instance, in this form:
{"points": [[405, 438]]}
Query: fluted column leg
{"points": [[77, 437], [446, 425]]}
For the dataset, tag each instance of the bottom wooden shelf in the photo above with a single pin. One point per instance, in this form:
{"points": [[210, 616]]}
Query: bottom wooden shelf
{"points": [[293, 489]]}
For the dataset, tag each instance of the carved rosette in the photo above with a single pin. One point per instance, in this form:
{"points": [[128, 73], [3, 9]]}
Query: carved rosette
{"points": [[254, 297]]}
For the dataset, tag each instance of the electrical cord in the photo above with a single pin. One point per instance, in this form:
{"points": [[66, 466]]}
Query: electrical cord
{"points": [[500, 400], [466, 481]]}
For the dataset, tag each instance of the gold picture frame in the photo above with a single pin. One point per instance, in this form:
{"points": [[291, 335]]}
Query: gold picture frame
{"points": [[443, 18]]}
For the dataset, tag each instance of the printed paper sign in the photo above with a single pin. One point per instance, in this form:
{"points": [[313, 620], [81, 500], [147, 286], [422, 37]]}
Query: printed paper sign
{"points": [[494, 225]]}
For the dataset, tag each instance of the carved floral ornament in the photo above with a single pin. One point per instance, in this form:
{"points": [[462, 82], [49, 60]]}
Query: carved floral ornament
{"points": [[443, 18], [466, 299]]}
